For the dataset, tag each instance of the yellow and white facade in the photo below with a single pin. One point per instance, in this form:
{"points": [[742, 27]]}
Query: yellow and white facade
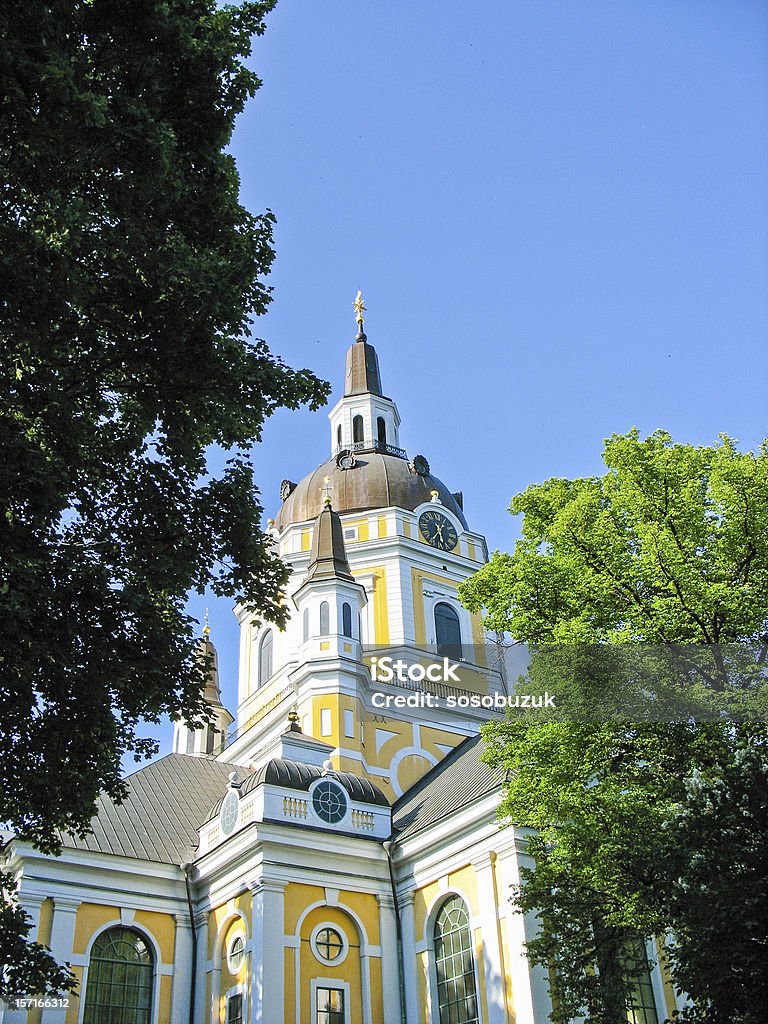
{"points": [[335, 859]]}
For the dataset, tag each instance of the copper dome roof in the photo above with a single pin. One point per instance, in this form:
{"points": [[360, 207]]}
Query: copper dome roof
{"points": [[376, 481]]}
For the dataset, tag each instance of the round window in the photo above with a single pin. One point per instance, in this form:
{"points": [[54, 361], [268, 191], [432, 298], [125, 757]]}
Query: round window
{"points": [[229, 812], [329, 944], [236, 954], [329, 801]]}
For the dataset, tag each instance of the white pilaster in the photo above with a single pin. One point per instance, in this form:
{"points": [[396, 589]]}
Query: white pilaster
{"points": [[62, 939], [182, 971], [390, 966], [268, 981], [201, 927], [410, 978], [530, 989], [493, 967], [30, 904]]}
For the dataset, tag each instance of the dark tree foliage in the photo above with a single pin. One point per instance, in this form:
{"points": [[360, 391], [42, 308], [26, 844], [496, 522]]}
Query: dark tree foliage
{"points": [[130, 274]]}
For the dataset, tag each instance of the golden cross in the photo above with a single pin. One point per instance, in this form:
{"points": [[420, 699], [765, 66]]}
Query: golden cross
{"points": [[327, 488], [359, 307]]}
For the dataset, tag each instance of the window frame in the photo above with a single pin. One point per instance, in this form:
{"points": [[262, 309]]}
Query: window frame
{"points": [[267, 640], [332, 983], [236, 990], [238, 934], [346, 620], [344, 943], [448, 646]]}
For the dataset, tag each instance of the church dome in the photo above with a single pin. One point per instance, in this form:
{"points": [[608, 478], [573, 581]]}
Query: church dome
{"points": [[375, 481]]}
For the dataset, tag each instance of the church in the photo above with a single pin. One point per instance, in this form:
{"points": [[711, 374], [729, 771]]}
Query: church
{"points": [[331, 853]]}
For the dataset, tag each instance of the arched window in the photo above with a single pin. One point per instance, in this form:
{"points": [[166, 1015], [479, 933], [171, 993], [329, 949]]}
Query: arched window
{"points": [[338, 435], [325, 625], [357, 428], [121, 972], [305, 625], [346, 619], [455, 964], [641, 1005], [447, 631], [381, 430], [265, 658]]}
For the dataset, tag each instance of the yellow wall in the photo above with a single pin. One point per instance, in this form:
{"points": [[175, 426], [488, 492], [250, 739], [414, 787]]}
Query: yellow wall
{"points": [[362, 529]]}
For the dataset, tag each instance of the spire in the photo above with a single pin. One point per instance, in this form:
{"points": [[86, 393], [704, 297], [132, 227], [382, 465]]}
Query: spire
{"points": [[362, 375], [328, 559], [212, 693]]}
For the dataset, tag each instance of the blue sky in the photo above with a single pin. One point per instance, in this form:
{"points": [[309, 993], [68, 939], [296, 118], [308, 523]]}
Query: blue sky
{"points": [[558, 216]]}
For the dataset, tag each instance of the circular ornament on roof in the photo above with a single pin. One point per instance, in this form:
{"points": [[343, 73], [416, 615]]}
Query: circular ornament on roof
{"points": [[330, 801], [419, 465], [229, 813], [345, 459], [286, 488]]}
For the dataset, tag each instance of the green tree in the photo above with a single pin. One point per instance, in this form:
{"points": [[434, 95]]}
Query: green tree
{"points": [[670, 548], [130, 277]]}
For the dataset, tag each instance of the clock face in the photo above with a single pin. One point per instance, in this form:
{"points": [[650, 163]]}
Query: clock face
{"points": [[438, 530]]}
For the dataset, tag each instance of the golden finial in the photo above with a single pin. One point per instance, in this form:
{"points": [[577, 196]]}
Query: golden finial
{"points": [[327, 488], [206, 627], [435, 495], [359, 308]]}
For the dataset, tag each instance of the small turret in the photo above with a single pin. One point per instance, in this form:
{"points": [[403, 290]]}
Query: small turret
{"points": [[209, 739], [330, 599], [328, 558]]}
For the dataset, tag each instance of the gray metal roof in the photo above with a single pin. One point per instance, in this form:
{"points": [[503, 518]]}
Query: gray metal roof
{"points": [[158, 821], [455, 782]]}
